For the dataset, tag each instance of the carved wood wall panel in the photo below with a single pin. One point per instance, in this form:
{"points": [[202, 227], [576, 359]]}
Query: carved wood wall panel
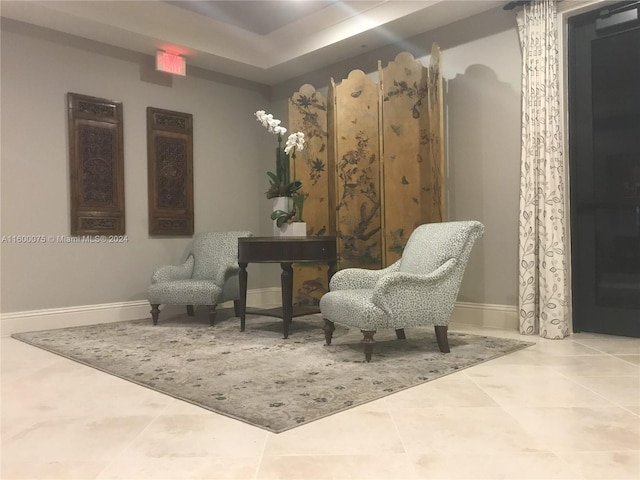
{"points": [[96, 162], [170, 172], [357, 163], [308, 114]]}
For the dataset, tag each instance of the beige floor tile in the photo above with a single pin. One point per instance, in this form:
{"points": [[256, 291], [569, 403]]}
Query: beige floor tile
{"points": [[609, 344], [68, 440], [566, 346], [622, 391], [493, 466], [203, 435], [37, 469], [605, 465], [329, 467], [219, 468], [132, 466], [633, 408], [594, 366], [580, 428], [635, 359], [17, 357], [63, 420], [74, 389], [505, 367], [470, 430], [554, 391], [453, 390], [352, 432], [62, 398], [49, 370]]}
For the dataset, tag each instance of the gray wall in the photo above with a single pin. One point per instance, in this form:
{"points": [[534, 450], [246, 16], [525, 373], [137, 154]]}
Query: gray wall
{"points": [[38, 68], [481, 65]]}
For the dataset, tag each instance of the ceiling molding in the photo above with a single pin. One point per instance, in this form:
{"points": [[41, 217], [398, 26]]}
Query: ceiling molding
{"points": [[331, 32]]}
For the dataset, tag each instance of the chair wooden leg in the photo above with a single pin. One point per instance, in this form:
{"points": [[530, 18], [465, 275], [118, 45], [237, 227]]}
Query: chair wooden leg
{"points": [[368, 342], [400, 334], [236, 308], [328, 328], [155, 312], [190, 311], [441, 337], [212, 314]]}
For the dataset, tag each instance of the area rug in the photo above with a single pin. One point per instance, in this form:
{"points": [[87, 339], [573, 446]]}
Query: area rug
{"points": [[258, 377]]}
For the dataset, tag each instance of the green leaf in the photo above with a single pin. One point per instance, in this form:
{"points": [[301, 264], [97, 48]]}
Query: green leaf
{"points": [[281, 217], [293, 187], [277, 214], [274, 178]]}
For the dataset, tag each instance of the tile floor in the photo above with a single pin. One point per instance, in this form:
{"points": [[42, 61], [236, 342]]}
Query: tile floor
{"points": [[566, 409]]}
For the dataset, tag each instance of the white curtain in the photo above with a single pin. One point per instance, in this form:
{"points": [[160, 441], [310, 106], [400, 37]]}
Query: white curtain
{"points": [[543, 289]]}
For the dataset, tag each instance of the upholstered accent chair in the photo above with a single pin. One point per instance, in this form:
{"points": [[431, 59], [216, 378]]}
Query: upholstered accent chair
{"points": [[419, 289], [209, 276]]}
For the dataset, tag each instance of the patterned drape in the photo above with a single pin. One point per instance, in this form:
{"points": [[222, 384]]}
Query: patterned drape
{"points": [[543, 289]]}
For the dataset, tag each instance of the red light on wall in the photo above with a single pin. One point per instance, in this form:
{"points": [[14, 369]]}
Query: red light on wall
{"points": [[171, 63]]}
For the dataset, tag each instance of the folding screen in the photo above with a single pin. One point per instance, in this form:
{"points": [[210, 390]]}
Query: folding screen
{"points": [[412, 141], [357, 166], [373, 169], [308, 114]]}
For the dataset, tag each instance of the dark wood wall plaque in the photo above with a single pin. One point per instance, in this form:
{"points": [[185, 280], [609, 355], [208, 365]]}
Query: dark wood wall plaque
{"points": [[96, 162], [170, 171]]}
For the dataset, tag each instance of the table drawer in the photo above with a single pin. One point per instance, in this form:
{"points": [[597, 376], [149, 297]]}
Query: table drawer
{"points": [[286, 249]]}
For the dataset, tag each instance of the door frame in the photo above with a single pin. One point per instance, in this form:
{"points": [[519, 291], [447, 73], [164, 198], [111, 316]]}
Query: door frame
{"points": [[565, 11]]}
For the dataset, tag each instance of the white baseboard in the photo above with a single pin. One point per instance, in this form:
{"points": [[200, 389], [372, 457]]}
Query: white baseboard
{"points": [[486, 315], [33, 320], [476, 314]]}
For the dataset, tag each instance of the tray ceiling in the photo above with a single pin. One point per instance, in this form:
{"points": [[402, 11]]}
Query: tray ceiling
{"points": [[263, 41]]}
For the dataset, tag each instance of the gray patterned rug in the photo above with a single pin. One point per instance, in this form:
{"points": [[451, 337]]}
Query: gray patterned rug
{"points": [[257, 376]]}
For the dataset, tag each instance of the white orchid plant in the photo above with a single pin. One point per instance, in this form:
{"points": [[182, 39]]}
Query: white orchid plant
{"points": [[280, 182]]}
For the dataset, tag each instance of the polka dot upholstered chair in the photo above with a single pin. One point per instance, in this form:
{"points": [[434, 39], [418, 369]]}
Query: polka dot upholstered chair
{"points": [[419, 289], [208, 277]]}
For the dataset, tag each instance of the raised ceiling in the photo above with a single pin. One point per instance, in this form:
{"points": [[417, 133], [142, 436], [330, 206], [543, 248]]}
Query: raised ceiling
{"points": [[261, 17], [263, 41]]}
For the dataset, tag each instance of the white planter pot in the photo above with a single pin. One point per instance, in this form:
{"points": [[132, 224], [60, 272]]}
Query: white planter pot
{"points": [[294, 229], [281, 203]]}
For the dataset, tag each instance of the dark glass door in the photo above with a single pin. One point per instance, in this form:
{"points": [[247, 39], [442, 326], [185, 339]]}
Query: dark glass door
{"points": [[604, 133]]}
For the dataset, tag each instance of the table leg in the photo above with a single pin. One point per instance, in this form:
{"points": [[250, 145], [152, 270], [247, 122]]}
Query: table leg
{"points": [[242, 277], [286, 280], [331, 271]]}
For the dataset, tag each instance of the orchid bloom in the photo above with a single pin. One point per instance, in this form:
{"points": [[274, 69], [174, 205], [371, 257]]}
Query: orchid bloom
{"points": [[271, 124], [295, 142], [281, 183]]}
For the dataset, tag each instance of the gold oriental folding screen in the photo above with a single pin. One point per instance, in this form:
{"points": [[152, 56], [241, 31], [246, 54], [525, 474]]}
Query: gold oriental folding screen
{"points": [[373, 168]]}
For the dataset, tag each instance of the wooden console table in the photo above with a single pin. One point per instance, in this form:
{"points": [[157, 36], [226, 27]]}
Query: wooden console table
{"points": [[285, 251]]}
